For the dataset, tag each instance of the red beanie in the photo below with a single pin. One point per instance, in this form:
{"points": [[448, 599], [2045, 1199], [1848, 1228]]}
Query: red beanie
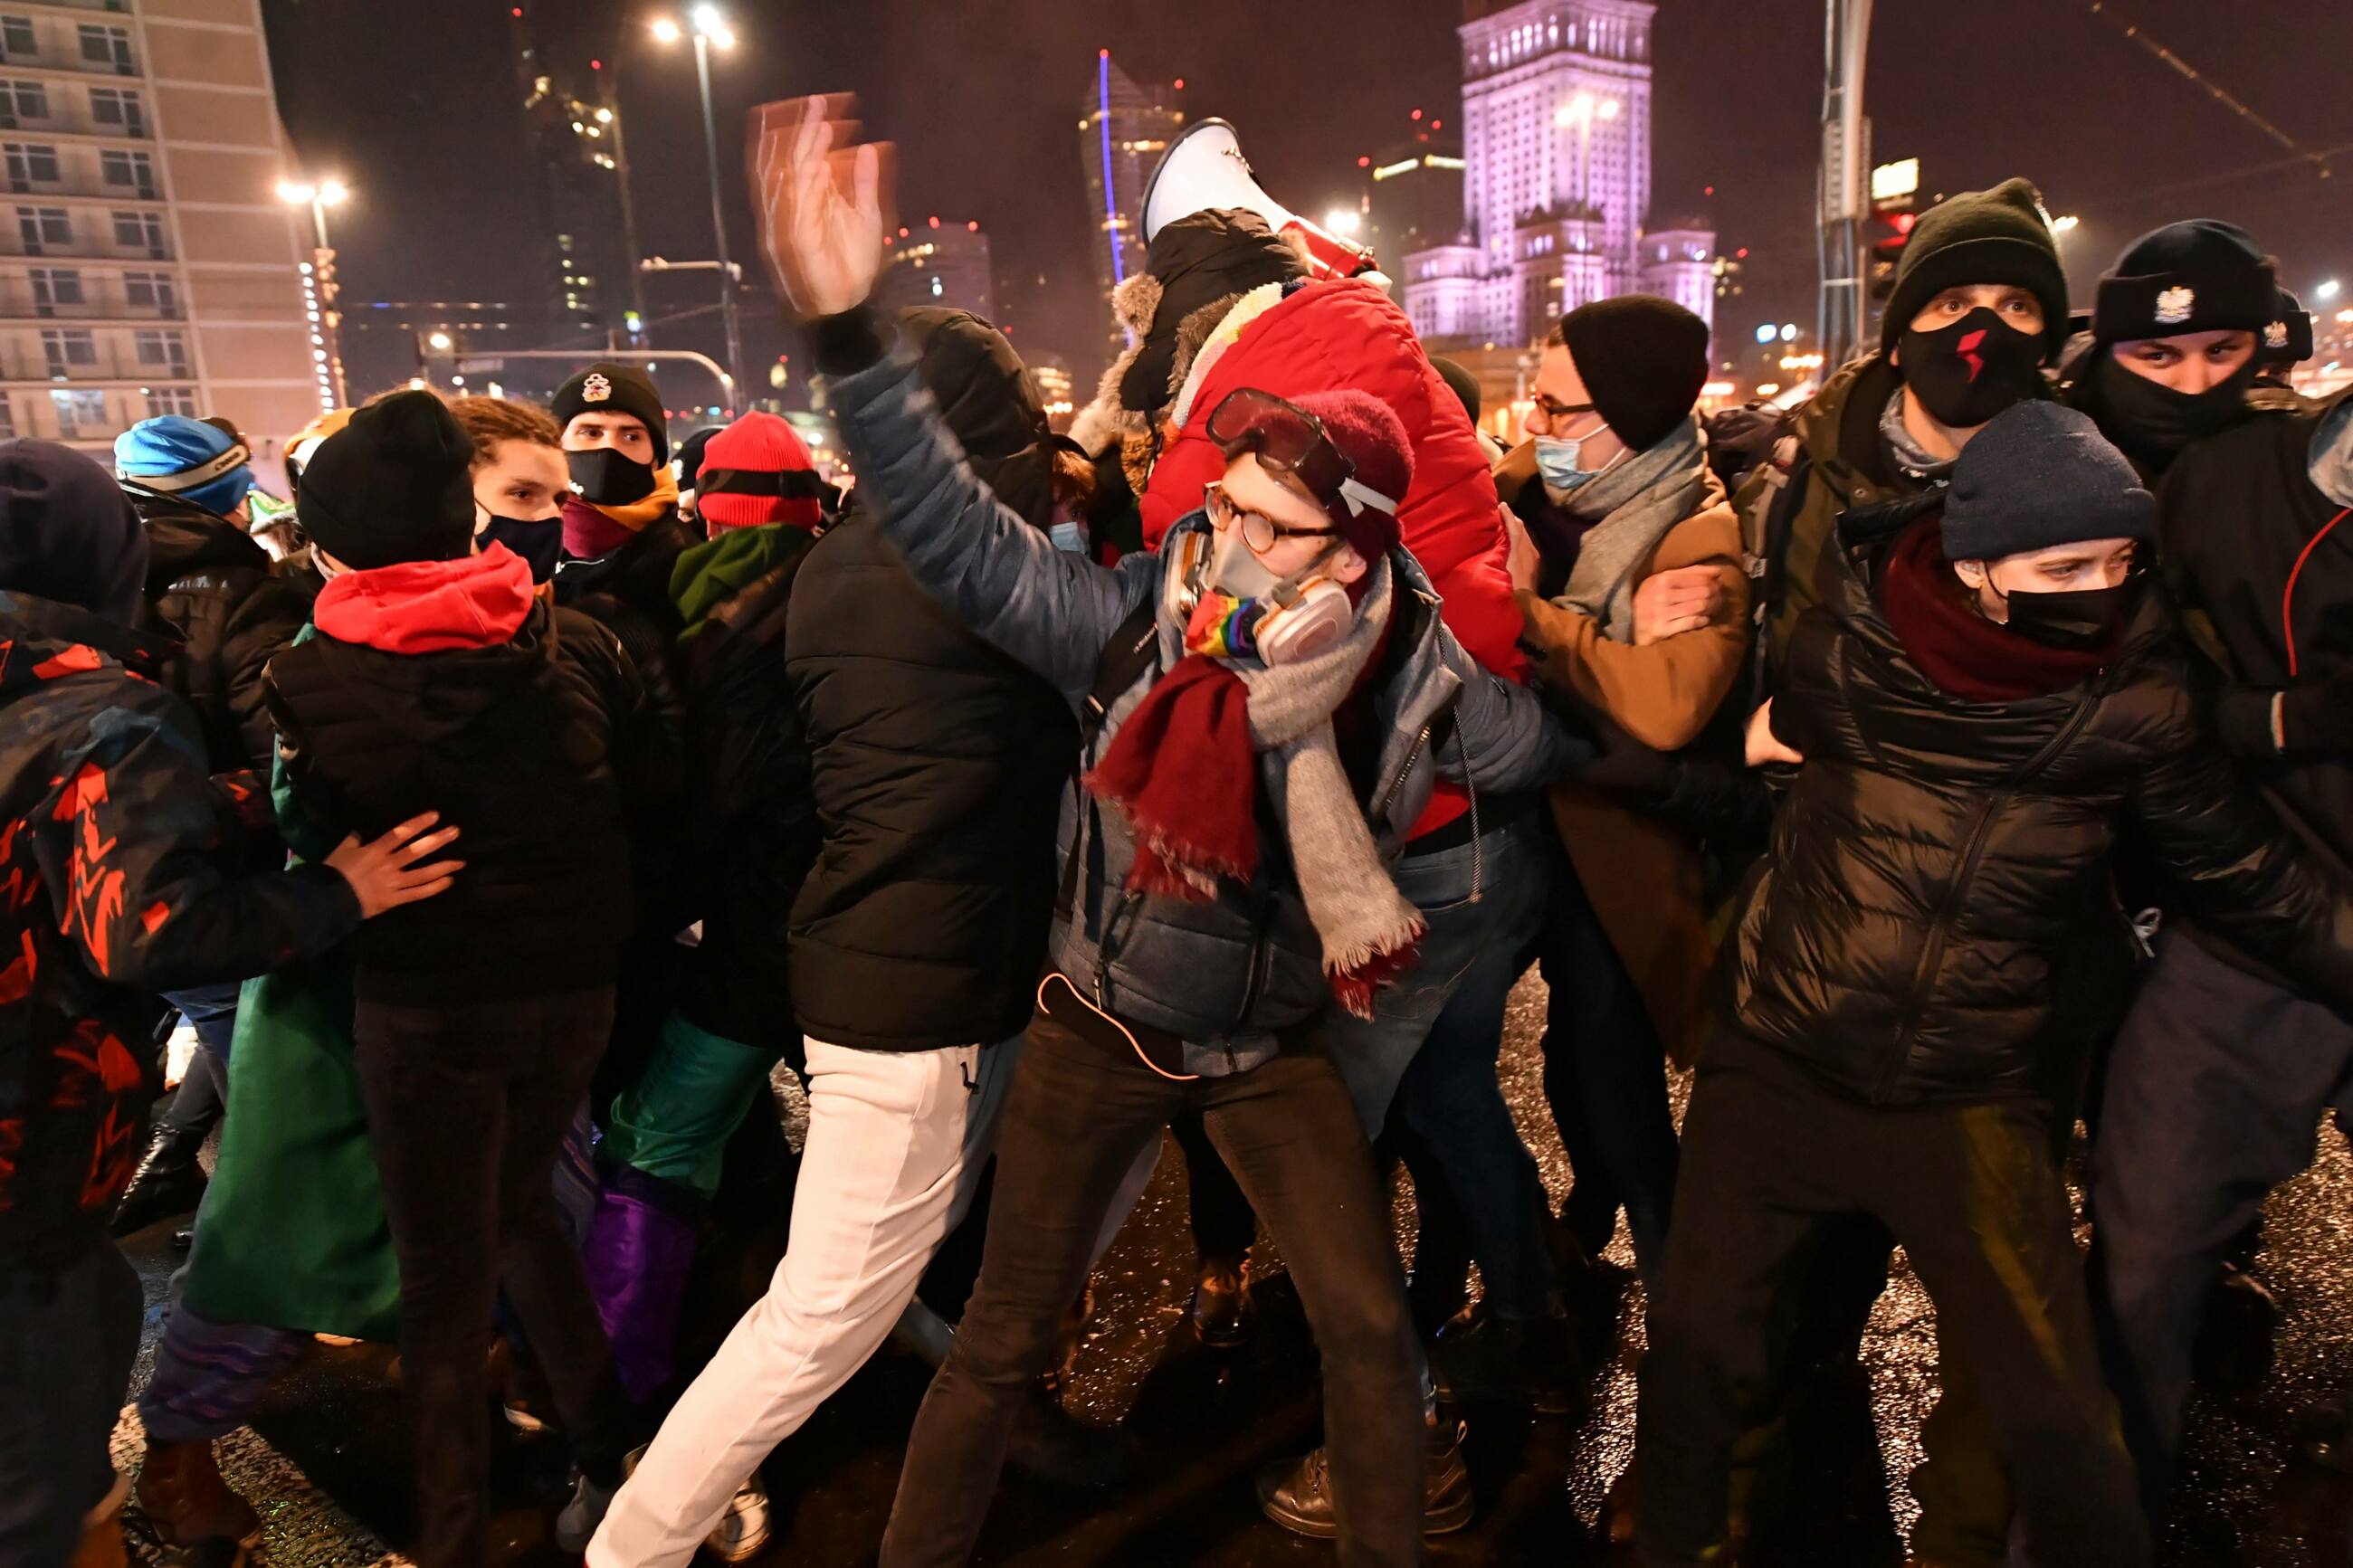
{"points": [[1370, 434], [757, 471]]}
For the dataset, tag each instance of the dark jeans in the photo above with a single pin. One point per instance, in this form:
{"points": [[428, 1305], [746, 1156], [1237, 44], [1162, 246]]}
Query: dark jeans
{"points": [[1077, 1121], [1605, 1076], [468, 1106], [2214, 1095], [67, 1337], [1224, 1224], [1771, 1160], [1461, 1134]]}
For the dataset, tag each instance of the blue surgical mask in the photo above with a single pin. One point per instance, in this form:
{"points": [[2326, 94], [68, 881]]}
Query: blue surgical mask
{"points": [[1069, 536], [1559, 458]]}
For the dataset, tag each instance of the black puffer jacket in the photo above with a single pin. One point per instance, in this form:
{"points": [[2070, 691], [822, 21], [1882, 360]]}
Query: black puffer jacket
{"points": [[522, 744], [939, 764], [1940, 875], [215, 591]]}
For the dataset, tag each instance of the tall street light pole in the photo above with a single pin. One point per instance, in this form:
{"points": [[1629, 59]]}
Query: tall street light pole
{"points": [[322, 285], [1846, 184], [710, 28]]}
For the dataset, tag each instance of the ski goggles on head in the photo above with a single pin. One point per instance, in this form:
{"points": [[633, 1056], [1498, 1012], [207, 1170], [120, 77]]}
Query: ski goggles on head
{"points": [[1292, 441]]}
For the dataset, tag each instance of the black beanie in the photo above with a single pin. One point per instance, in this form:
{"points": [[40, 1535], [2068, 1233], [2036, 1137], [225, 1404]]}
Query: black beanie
{"points": [[68, 532], [2038, 475], [1459, 381], [1645, 360], [2201, 276], [394, 485], [2000, 236], [608, 388], [690, 455], [2287, 336], [1198, 260]]}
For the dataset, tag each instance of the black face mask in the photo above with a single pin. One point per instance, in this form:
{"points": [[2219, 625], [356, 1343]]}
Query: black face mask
{"points": [[604, 476], [1966, 373], [2086, 618], [539, 540], [2153, 423]]}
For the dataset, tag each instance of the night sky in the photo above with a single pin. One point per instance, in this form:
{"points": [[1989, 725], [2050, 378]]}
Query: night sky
{"points": [[414, 103]]}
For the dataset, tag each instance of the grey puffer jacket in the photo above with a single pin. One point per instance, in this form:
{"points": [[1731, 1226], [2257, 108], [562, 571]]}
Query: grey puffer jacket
{"points": [[1227, 976]]}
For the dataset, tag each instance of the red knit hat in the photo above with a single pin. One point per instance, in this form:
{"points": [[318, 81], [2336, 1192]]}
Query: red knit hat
{"points": [[757, 471], [1370, 434]]}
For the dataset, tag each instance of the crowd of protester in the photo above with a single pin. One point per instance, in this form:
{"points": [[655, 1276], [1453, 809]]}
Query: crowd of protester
{"points": [[1958, 758]]}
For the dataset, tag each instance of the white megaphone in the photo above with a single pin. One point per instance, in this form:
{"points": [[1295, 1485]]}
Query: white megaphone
{"points": [[1204, 168]]}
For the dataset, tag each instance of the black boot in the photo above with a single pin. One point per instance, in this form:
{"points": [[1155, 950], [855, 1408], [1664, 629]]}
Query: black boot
{"points": [[1297, 1493], [1221, 1310], [168, 1180], [1050, 1444], [1531, 1362]]}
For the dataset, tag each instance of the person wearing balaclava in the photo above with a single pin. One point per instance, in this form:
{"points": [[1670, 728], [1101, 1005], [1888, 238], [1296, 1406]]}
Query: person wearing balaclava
{"points": [[105, 769], [215, 592], [2225, 1063], [1986, 707], [622, 541], [438, 675], [2177, 339], [1979, 307]]}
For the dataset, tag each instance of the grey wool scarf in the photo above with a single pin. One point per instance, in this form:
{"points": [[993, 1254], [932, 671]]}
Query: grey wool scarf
{"points": [[1631, 507], [1367, 927]]}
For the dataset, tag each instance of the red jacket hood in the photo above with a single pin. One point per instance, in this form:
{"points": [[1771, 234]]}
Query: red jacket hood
{"points": [[1346, 333], [429, 607]]}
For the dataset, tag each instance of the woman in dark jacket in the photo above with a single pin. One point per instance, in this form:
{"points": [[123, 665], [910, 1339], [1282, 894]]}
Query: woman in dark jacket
{"points": [[1980, 709]]}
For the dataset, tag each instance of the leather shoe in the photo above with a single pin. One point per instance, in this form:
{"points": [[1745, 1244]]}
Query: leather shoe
{"points": [[1222, 1311], [167, 1181], [1297, 1493]]}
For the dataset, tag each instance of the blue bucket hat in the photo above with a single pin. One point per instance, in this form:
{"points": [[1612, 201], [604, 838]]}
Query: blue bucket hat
{"points": [[194, 460]]}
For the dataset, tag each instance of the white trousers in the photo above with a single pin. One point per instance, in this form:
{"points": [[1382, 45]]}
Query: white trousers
{"points": [[896, 1142]]}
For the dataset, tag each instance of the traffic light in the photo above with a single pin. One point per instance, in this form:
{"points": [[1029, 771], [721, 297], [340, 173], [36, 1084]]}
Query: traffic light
{"points": [[1891, 233]]}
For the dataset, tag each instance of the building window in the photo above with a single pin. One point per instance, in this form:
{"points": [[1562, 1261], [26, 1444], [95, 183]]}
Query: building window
{"points": [[130, 170], [68, 349], [108, 48], [16, 40], [31, 163], [166, 351], [119, 106], [8, 418], [40, 228], [162, 400], [22, 100], [152, 292], [140, 231], [80, 414], [57, 290]]}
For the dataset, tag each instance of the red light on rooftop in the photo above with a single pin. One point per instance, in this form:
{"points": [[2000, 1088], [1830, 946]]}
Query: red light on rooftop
{"points": [[595, 65], [1363, 162], [1180, 84], [972, 225], [903, 234], [1438, 125], [1707, 189], [518, 11], [1417, 114], [1741, 254], [1102, 54], [936, 220]]}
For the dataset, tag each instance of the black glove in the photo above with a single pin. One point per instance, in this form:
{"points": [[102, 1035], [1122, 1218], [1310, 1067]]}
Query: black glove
{"points": [[2262, 724], [1624, 765]]}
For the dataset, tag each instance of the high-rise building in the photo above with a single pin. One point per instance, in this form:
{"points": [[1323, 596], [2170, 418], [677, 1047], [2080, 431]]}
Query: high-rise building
{"points": [[1415, 200], [1557, 186], [1051, 378], [579, 211], [1124, 128], [937, 263], [149, 267]]}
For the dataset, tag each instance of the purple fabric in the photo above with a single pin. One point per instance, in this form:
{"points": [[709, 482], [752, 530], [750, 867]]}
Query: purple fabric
{"points": [[637, 1260], [210, 1377]]}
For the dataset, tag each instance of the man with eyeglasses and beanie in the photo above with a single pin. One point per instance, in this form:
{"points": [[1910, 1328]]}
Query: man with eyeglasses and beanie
{"points": [[1261, 705]]}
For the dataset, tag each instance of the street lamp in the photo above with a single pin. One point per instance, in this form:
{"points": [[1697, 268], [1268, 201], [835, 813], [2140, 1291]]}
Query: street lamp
{"points": [[710, 28], [440, 343], [319, 284], [2327, 291]]}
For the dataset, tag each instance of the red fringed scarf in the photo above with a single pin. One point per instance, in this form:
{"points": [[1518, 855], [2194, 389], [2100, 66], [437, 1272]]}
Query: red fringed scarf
{"points": [[1182, 772]]}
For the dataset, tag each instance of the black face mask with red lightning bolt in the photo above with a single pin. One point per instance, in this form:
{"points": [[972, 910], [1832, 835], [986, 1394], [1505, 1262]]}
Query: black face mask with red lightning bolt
{"points": [[1968, 372]]}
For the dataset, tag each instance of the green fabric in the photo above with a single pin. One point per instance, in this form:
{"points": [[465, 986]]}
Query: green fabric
{"points": [[293, 1233], [674, 1122], [709, 574]]}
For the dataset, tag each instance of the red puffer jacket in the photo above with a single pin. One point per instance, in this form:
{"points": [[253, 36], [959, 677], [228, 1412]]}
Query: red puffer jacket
{"points": [[1346, 333]]}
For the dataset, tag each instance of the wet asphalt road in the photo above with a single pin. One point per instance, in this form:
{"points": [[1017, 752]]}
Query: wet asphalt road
{"points": [[325, 1462]]}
